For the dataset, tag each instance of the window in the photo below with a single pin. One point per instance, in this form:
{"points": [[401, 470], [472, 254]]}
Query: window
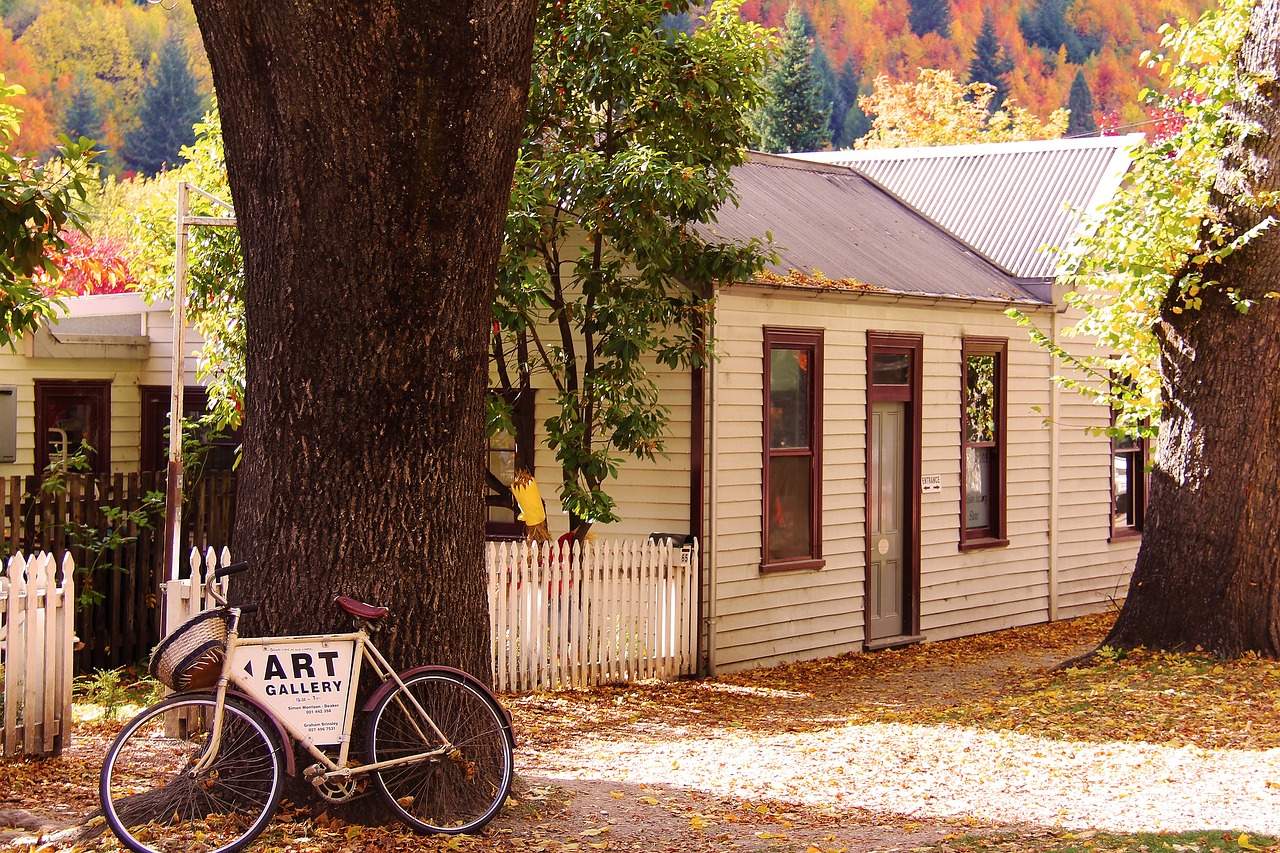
{"points": [[793, 449], [1128, 484], [982, 440], [156, 400], [505, 455], [69, 414]]}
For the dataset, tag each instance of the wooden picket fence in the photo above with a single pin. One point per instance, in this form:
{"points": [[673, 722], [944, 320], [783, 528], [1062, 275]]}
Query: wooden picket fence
{"points": [[599, 612], [121, 628], [37, 640]]}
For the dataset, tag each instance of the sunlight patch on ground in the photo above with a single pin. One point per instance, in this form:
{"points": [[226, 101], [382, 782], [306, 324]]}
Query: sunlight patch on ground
{"points": [[940, 772]]}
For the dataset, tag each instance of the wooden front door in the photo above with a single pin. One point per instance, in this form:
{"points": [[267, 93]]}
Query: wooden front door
{"points": [[893, 497], [886, 514]]}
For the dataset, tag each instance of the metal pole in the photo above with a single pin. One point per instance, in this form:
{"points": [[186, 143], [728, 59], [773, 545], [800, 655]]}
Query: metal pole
{"points": [[173, 484]]}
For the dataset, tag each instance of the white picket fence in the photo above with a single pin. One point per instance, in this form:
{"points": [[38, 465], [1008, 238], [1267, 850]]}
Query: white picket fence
{"points": [[185, 597], [565, 617], [560, 617], [37, 640]]}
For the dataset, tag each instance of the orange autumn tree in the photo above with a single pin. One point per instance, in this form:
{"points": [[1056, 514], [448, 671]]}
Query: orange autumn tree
{"points": [[937, 109]]}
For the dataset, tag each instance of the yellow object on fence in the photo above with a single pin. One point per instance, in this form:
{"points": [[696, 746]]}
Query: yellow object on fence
{"points": [[525, 488]]}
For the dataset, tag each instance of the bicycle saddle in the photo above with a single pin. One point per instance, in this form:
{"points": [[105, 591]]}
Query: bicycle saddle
{"points": [[359, 608]]}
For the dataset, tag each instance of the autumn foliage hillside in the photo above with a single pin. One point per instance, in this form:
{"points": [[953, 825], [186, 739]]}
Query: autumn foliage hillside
{"points": [[877, 37]]}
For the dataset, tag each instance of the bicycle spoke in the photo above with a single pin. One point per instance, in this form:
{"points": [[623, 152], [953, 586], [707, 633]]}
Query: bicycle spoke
{"points": [[459, 791], [156, 801]]}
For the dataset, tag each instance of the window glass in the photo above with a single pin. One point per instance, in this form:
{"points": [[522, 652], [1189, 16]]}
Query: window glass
{"points": [[790, 524], [977, 486], [502, 464], [980, 398], [788, 398], [891, 368], [1128, 484], [69, 414]]}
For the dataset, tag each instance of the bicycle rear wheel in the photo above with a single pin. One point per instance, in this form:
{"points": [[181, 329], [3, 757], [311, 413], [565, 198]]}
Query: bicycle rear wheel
{"points": [[452, 793], [155, 803]]}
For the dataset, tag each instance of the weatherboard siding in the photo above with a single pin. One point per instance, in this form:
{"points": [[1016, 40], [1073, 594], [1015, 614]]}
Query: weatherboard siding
{"points": [[768, 618]]}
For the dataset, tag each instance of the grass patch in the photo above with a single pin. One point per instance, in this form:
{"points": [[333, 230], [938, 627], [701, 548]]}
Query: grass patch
{"points": [[1101, 842]]}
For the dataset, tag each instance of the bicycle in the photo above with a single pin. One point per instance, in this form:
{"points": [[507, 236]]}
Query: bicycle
{"points": [[205, 767]]}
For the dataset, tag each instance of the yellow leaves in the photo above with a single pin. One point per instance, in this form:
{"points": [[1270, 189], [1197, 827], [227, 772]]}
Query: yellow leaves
{"points": [[617, 795], [1244, 843], [648, 801], [700, 822]]}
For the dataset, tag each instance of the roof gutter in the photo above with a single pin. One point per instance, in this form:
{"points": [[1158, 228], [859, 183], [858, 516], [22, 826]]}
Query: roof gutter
{"points": [[894, 297]]}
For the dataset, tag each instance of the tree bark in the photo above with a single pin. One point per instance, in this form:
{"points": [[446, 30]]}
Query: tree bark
{"points": [[370, 149], [1208, 572]]}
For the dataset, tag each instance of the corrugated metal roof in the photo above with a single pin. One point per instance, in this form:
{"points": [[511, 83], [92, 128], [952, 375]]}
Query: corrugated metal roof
{"points": [[1008, 200], [833, 221]]}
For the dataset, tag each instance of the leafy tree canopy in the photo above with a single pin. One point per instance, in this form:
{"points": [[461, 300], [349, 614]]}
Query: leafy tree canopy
{"points": [[632, 131], [936, 109], [1157, 236], [215, 265], [37, 201]]}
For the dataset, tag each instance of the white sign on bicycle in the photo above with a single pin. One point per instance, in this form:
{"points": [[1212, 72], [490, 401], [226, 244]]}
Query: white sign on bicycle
{"points": [[305, 683]]}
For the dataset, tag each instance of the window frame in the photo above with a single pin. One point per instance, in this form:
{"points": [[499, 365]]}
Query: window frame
{"points": [[1137, 454], [810, 340], [996, 533], [98, 393], [522, 403]]}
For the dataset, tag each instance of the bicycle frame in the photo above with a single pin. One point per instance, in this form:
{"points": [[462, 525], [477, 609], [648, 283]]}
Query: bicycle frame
{"points": [[362, 650]]}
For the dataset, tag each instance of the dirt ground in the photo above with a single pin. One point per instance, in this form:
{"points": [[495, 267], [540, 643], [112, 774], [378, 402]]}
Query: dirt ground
{"points": [[900, 750]]}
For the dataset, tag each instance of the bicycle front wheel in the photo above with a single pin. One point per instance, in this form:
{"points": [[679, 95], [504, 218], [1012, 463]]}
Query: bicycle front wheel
{"points": [[156, 802], [456, 791]]}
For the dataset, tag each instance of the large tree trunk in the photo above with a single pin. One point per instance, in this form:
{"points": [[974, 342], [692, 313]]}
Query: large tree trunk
{"points": [[370, 148], [1208, 572]]}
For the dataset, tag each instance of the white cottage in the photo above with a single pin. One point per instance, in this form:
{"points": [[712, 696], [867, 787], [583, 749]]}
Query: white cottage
{"points": [[100, 374], [879, 456]]}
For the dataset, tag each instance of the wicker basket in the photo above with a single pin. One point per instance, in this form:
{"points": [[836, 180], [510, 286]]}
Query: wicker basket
{"points": [[191, 656]]}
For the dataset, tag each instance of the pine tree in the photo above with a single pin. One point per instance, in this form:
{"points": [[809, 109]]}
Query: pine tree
{"points": [[83, 117], [1045, 25], [844, 103], [794, 117], [1080, 102], [991, 63], [930, 16], [169, 110]]}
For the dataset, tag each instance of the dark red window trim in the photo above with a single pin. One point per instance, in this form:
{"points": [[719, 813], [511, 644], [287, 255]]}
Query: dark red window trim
{"points": [[995, 534], [810, 340]]}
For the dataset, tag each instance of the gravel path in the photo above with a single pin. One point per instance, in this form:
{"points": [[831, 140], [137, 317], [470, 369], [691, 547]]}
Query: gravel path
{"points": [[938, 772]]}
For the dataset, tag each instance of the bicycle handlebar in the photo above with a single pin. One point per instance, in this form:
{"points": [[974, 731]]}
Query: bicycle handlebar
{"points": [[222, 572], [232, 569]]}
